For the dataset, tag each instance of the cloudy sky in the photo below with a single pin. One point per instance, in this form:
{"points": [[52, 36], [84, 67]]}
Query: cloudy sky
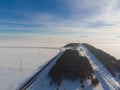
{"points": [[95, 19]]}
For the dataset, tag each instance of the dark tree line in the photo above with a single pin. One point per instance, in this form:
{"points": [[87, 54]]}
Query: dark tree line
{"points": [[110, 62], [72, 45], [71, 66], [94, 81]]}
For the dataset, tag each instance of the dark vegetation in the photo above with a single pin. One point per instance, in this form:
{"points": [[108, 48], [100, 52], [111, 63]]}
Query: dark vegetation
{"points": [[110, 62], [72, 66], [72, 45]]}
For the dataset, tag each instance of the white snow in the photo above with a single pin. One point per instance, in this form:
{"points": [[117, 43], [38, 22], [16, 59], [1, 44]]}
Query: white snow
{"points": [[107, 80], [43, 82], [11, 75]]}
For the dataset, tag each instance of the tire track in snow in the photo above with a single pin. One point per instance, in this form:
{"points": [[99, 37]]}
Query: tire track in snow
{"points": [[111, 81]]}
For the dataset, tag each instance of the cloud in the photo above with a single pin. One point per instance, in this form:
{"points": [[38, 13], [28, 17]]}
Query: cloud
{"points": [[108, 14], [92, 11], [85, 18], [99, 24]]}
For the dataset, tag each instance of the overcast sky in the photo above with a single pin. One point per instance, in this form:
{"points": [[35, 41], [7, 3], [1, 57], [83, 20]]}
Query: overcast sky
{"points": [[73, 18]]}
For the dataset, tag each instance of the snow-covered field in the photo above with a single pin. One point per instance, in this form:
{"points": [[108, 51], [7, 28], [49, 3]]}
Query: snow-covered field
{"points": [[32, 59], [43, 82], [18, 64]]}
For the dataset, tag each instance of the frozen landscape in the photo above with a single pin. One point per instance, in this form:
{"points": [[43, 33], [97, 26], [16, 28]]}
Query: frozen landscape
{"points": [[12, 74], [34, 35], [107, 81], [42, 82], [33, 59]]}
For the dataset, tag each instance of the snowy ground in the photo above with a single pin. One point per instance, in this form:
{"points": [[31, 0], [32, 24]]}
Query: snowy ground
{"points": [[108, 82], [11, 74], [43, 82]]}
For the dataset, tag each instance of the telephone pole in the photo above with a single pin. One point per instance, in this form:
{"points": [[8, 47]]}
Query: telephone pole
{"points": [[20, 65]]}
